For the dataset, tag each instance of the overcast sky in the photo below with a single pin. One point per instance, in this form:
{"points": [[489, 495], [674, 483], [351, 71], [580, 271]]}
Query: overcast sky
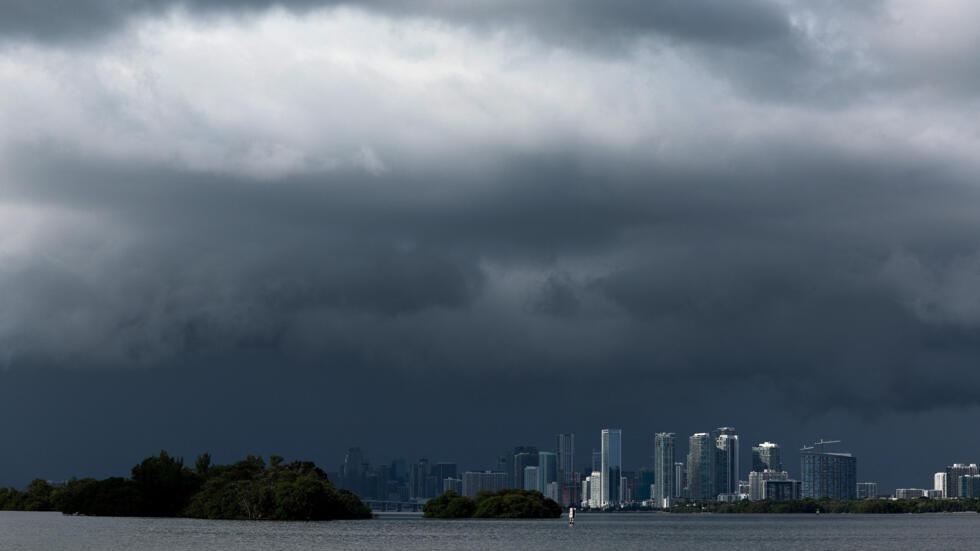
{"points": [[441, 229]]}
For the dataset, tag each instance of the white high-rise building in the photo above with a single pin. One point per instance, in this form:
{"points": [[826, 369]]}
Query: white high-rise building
{"points": [[612, 467], [939, 483], [595, 490]]}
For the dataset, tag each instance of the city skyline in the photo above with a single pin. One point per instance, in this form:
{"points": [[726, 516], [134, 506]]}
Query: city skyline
{"points": [[821, 472], [446, 229]]}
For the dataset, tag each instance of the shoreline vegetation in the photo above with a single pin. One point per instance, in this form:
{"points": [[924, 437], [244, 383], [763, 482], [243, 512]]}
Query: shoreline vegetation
{"points": [[505, 504], [162, 486]]}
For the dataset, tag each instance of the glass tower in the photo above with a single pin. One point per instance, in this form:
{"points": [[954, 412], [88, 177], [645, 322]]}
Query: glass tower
{"points": [[663, 469], [701, 467], [611, 466], [726, 461], [830, 475], [766, 456]]}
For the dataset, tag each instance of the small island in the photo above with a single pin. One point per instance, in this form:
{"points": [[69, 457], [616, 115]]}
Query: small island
{"points": [[505, 504], [162, 486]]}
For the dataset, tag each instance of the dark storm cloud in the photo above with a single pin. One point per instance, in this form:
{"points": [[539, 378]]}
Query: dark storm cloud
{"points": [[717, 275], [714, 208], [710, 21]]}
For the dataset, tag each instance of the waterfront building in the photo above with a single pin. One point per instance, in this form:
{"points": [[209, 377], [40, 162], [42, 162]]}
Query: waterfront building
{"points": [[766, 456], [909, 493], [475, 482], [969, 486], [701, 468], [595, 490], [664, 459], [565, 464], [953, 474], [939, 483], [828, 475], [611, 467], [781, 490], [867, 490], [758, 480], [726, 461]]}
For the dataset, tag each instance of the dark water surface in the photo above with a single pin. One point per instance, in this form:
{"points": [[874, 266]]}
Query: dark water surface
{"points": [[55, 532]]}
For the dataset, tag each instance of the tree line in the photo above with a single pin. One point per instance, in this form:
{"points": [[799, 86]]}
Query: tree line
{"points": [[512, 503], [162, 486]]}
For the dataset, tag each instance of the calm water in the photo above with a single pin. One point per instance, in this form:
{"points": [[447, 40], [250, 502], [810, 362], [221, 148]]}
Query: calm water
{"points": [[54, 532]]}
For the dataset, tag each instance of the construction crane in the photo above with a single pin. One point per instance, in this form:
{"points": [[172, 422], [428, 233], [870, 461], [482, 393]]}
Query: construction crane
{"points": [[820, 443]]}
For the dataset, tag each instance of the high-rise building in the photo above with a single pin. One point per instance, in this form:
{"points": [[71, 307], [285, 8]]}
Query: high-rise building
{"points": [[443, 470], [565, 452], [595, 490], [524, 456], [701, 468], [454, 484], [726, 461], [766, 456], [969, 486], [953, 474], [773, 486], [939, 483], [547, 470], [352, 471], [532, 478], [643, 483], [830, 475], [419, 480], [475, 482], [867, 490], [909, 493], [664, 455], [612, 467]]}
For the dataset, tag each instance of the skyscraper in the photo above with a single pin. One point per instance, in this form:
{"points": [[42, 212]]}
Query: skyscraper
{"points": [[701, 467], [524, 456], [953, 474], [547, 471], [565, 452], [726, 461], [939, 483], [532, 478], [830, 475], [663, 469], [611, 466], [766, 456], [352, 471]]}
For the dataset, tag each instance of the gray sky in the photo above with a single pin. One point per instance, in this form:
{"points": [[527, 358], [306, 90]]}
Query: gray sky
{"points": [[429, 229]]}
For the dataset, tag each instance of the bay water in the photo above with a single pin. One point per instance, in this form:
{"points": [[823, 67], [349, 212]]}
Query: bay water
{"points": [[56, 532]]}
